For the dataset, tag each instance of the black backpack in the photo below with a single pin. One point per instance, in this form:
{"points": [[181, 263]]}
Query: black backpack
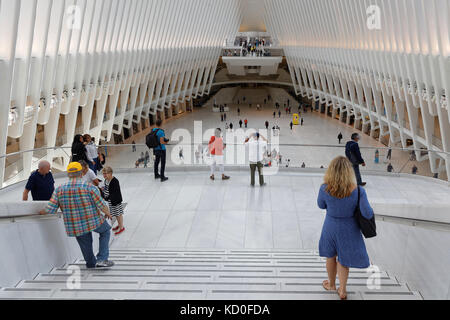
{"points": [[152, 141], [367, 226]]}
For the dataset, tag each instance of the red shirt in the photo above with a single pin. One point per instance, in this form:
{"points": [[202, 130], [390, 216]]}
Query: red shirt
{"points": [[216, 146]]}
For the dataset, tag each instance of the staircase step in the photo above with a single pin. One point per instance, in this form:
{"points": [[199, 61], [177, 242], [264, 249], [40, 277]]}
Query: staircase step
{"points": [[277, 295], [175, 274]]}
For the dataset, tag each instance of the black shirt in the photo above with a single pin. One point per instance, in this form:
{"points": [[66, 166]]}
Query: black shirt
{"points": [[41, 187]]}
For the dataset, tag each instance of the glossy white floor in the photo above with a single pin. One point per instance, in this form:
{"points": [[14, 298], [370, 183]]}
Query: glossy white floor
{"points": [[317, 129]]}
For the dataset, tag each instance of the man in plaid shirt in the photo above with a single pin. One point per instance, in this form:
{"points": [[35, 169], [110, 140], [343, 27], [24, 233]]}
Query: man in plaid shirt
{"points": [[81, 204]]}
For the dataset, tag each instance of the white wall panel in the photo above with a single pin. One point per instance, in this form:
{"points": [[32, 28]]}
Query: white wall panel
{"points": [[105, 56]]}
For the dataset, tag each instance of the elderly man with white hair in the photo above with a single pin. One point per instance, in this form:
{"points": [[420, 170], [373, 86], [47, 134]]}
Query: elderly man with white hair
{"points": [[40, 183]]}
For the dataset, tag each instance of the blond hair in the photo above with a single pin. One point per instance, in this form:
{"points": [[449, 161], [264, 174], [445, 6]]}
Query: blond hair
{"points": [[107, 170], [340, 178]]}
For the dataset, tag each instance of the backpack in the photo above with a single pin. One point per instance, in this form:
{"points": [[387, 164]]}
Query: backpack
{"points": [[152, 140]]}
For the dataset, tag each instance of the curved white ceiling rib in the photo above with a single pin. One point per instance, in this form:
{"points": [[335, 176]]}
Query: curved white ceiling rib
{"points": [[387, 62]]}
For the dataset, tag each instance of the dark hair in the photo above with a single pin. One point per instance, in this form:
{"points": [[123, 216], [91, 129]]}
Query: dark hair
{"points": [[158, 122], [77, 138], [83, 163], [257, 135], [355, 136]]}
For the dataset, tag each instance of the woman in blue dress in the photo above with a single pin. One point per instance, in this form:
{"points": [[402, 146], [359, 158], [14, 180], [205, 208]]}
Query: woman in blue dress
{"points": [[341, 241]]}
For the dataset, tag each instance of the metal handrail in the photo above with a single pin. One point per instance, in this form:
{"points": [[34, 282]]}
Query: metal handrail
{"points": [[414, 221], [233, 144], [397, 219]]}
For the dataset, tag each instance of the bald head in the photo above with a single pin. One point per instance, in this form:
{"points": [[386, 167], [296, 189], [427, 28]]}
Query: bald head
{"points": [[44, 167]]}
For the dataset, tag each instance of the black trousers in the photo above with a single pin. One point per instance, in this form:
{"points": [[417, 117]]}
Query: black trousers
{"points": [[160, 156]]}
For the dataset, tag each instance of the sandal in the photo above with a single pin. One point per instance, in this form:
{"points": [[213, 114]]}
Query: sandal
{"points": [[119, 232], [326, 286], [343, 297], [212, 177]]}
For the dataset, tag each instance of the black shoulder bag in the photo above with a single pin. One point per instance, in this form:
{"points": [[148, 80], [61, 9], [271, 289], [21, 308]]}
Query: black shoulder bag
{"points": [[367, 226]]}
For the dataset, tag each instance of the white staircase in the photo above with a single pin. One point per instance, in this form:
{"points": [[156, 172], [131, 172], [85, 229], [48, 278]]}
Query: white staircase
{"points": [[205, 274]]}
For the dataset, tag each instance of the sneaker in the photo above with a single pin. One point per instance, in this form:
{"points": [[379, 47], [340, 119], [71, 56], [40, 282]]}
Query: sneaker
{"points": [[164, 179], [119, 232], [116, 228], [225, 178], [104, 264]]}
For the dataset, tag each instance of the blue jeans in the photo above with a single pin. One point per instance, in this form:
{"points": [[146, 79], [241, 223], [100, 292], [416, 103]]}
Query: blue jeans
{"points": [[85, 243], [357, 174], [92, 166]]}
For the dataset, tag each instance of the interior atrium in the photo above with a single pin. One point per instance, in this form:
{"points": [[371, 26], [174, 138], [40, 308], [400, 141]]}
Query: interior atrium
{"points": [[303, 78]]}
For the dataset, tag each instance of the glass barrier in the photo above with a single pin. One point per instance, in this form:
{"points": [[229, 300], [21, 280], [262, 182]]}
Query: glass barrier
{"points": [[378, 160]]}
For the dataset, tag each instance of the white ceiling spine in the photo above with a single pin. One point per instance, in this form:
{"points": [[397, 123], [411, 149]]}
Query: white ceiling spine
{"points": [[119, 60], [395, 78]]}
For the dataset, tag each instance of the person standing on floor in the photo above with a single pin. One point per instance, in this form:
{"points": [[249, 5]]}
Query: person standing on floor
{"points": [[390, 168], [291, 125], [340, 137], [257, 146], [79, 151], [267, 125], [301, 122], [81, 204], [279, 114], [231, 126], [40, 183], [133, 147], [274, 114], [353, 154], [216, 148], [224, 117], [160, 151], [239, 112], [240, 123], [114, 197], [341, 241], [221, 117], [91, 152], [246, 122]]}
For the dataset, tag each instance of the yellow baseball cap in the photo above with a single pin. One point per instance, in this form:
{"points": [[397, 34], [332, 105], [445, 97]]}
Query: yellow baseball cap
{"points": [[74, 167]]}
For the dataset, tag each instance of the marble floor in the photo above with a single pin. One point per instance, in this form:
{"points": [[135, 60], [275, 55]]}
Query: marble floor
{"points": [[318, 129], [192, 211]]}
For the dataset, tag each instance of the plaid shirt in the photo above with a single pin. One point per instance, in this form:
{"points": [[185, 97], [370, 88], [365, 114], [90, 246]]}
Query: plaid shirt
{"points": [[80, 203]]}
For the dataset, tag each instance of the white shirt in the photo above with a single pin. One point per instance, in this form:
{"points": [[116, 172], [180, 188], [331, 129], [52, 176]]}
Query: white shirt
{"points": [[257, 148], [89, 177], [92, 152]]}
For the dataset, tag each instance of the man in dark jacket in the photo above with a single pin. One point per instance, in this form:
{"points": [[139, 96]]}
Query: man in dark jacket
{"points": [[353, 154]]}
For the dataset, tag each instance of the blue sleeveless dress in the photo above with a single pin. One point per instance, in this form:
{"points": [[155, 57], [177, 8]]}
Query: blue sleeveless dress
{"points": [[341, 235]]}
